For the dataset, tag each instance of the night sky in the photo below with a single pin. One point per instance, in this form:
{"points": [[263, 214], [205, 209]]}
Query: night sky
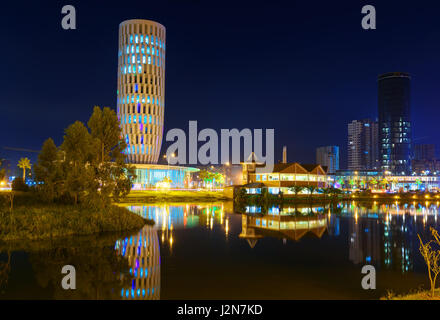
{"points": [[304, 68]]}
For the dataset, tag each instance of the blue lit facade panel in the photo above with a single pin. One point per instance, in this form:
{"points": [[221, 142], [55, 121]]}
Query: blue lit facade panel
{"points": [[149, 177]]}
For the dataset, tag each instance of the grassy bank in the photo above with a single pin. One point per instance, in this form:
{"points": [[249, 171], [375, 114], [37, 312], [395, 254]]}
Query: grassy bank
{"points": [[419, 295], [146, 196], [35, 221]]}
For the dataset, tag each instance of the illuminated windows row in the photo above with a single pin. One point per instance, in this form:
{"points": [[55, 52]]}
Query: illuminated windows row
{"points": [[143, 273], [147, 40], [146, 119], [138, 68], [139, 99], [131, 293], [139, 139], [142, 149], [142, 49]]}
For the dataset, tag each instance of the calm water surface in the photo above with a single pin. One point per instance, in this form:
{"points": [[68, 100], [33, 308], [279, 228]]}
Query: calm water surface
{"points": [[205, 251]]}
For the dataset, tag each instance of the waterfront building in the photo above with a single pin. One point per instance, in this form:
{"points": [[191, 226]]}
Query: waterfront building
{"points": [[394, 122], [379, 182], [283, 176], [363, 147], [329, 157], [357, 179], [141, 103]]}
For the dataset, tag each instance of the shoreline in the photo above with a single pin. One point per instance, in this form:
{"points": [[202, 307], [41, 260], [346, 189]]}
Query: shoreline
{"points": [[159, 196]]}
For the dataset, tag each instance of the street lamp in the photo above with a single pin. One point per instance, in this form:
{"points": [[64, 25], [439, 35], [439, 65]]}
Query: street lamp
{"points": [[224, 171]]}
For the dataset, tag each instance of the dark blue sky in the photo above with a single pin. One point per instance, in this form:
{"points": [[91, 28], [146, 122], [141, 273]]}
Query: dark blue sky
{"points": [[305, 68]]}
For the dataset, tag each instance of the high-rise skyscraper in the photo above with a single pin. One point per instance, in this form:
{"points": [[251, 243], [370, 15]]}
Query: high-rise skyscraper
{"points": [[363, 147], [328, 156], [394, 122], [141, 88]]}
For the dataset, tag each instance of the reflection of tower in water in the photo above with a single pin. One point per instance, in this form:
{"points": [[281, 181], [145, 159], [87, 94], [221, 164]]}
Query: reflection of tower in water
{"points": [[143, 254], [364, 241]]}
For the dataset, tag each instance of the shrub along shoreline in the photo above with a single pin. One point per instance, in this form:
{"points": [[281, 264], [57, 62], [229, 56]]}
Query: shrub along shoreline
{"points": [[38, 221]]}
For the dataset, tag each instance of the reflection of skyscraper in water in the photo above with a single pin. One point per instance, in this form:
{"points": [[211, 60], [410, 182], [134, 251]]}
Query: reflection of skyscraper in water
{"points": [[385, 236], [143, 254], [364, 241]]}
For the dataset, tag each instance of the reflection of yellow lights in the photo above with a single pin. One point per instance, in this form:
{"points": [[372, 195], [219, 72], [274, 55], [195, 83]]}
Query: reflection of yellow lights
{"points": [[356, 218], [2, 183], [211, 223], [227, 226], [171, 240]]}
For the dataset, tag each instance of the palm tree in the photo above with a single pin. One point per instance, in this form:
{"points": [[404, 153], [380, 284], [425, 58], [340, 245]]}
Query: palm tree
{"points": [[326, 191], [311, 189], [384, 182], [24, 164], [296, 189]]}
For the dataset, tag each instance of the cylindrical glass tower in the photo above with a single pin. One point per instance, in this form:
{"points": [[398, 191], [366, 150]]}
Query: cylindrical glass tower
{"points": [[141, 88], [395, 122]]}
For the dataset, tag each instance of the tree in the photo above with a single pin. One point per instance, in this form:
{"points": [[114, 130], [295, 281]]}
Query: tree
{"points": [[2, 171], [78, 148], [219, 178], [19, 185], [432, 257], [104, 127], [384, 182], [24, 164], [113, 175], [90, 166], [296, 189], [48, 171], [373, 182], [311, 190], [326, 192]]}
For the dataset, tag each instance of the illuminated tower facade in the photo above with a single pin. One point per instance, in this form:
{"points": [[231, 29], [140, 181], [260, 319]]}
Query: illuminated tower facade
{"points": [[141, 88]]}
